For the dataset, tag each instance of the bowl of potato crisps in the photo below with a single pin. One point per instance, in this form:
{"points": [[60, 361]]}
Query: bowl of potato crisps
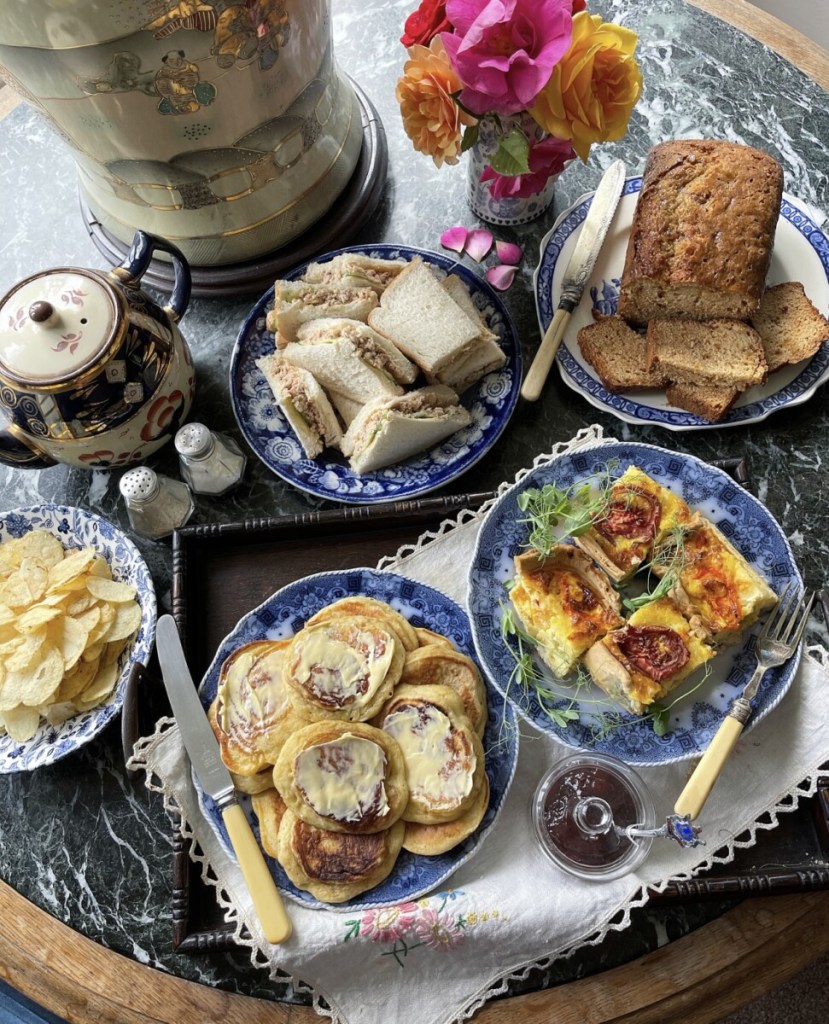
{"points": [[77, 610]]}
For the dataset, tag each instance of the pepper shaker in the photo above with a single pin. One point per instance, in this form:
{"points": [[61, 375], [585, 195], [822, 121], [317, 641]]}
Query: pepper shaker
{"points": [[210, 463], [156, 504]]}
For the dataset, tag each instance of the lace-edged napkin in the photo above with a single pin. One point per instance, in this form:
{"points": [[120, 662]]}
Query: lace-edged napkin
{"points": [[437, 959]]}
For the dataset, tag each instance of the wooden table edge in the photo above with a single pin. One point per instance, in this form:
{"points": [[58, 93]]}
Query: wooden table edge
{"points": [[706, 974]]}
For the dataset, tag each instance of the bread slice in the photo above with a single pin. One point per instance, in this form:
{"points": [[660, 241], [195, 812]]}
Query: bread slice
{"points": [[619, 355], [304, 403], [725, 353], [418, 315], [372, 347], [704, 400], [790, 326], [338, 366], [482, 357], [297, 302]]}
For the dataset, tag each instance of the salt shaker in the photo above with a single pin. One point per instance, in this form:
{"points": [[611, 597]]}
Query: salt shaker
{"points": [[210, 463], [156, 504]]}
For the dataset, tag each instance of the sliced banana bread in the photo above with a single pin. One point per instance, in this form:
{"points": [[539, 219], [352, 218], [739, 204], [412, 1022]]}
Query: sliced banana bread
{"points": [[790, 326], [618, 354], [722, 353], [705, 400]]}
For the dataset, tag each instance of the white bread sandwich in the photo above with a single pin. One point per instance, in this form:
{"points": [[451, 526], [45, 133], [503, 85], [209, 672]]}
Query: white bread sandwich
{"points": [[304, 403], [387, 431], [297, 302], [373, 347], [339, 366], [355, 270], [419, 316], [483, 356]]}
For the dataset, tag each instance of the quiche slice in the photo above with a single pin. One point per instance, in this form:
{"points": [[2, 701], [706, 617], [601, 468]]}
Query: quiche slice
{"points": [[565, 603], [716, 584], [648, 656], [641, 514]]}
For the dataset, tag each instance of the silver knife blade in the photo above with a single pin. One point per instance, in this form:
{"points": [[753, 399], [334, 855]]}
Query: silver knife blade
{"points": [[196, 734], [592, 235]]}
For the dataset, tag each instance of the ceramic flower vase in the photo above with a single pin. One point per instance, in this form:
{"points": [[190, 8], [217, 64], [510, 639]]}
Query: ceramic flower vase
{"points": [[225, 126], [508, 210]]}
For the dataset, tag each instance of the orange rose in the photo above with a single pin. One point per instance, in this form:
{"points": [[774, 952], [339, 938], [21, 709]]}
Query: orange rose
{"points": [[431, 118], [593, 88]]}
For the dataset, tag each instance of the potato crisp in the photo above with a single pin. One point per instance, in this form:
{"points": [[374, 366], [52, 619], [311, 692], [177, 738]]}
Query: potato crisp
{"points": [[64, 621]]}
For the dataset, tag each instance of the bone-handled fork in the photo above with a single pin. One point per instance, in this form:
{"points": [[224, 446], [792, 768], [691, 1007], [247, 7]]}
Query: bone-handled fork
{"points": [[777, 642]]}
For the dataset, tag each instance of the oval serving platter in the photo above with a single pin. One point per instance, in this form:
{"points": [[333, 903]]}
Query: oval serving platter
{"points": [[282, 615], [491, 402], [801, 253], [694, 720], [76, 528]]}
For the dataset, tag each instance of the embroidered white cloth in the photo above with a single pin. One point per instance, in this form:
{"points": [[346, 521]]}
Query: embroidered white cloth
{"points": [[434, 961]]}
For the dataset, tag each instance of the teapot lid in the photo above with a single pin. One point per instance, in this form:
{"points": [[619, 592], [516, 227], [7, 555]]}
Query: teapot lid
{"points": [[55, 325]]}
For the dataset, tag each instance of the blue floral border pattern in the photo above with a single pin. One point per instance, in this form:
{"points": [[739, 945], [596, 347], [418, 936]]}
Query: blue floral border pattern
{"points": [[794, 392], [76, 528], [491, 403], [744, 521], [282, 615]]}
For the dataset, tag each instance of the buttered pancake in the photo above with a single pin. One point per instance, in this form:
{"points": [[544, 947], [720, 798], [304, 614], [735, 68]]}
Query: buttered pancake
{"points": [[269, 807], [565, 604], [251, 715], [332, 866], [345, 777], [343, 668], [371, 608], [648, 657], [716, 584], [640, 515], [431, 840], [428, 638], [443, 755], [437, 665]]}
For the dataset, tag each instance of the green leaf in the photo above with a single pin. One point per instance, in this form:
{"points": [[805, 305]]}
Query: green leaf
{"points": [[659, 719], [512, 155], [470, 137]]}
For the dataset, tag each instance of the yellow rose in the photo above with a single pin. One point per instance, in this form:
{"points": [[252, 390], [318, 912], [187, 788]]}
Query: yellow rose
{"points": [[594, 86], [431, 118]]}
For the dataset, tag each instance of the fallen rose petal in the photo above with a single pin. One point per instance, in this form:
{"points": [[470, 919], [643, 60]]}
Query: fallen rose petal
{"points": [[501, 277], [454, 238], [479, 243], [509, 253]]}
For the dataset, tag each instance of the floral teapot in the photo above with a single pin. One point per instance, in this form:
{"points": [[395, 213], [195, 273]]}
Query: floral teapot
{"points": [[92, 372]]}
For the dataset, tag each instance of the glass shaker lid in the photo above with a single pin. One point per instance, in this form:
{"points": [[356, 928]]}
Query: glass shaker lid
{"points": [[54, 326]]}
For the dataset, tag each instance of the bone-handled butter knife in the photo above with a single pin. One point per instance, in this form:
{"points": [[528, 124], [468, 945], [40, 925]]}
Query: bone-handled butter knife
{"points": [[592, 235], [203, 751]]}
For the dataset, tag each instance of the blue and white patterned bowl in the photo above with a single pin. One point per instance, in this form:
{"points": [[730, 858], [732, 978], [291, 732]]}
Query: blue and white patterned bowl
{"points": [[491, 402], [801, 253], [693, 722], [76, 528], [282, 615]]}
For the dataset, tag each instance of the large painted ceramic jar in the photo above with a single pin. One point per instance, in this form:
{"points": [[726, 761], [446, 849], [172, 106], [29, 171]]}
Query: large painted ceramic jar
{"points": [[225, 127], [93, 373]]}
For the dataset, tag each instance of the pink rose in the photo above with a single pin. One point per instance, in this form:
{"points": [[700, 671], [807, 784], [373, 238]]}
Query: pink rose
{"points": [[546, 158], [504, 51]]}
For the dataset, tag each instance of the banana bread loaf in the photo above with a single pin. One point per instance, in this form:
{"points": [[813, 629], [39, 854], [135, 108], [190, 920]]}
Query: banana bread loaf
{"points": [[702, 233]]}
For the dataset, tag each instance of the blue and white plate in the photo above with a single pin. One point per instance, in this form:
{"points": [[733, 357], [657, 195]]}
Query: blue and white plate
{"points": [[693, 721], [801, 253], [285, 613], [491, 402], [75, 528]]}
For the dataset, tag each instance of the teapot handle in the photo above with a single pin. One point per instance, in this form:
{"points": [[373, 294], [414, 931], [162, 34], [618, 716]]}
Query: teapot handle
{"points": [[138, 259]]}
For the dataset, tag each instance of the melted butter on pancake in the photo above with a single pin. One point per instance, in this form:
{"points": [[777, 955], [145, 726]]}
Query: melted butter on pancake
{"points": [[339, 672], [344, 779], [251, 693], [440, 763]]}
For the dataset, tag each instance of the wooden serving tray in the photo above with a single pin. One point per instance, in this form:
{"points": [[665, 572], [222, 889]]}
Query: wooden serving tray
{"points": [[221, 572]]}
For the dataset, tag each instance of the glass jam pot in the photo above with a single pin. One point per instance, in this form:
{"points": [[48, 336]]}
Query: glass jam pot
{"points": [[93, 373]]}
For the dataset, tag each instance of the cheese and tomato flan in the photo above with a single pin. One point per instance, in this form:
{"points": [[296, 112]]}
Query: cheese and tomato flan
{"points": [[565, 604], [716, 584], [639, 515], [650, 655]]}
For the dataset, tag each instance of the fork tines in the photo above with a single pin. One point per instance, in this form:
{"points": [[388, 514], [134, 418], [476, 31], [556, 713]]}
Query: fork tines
{"points": [[788, 618]]}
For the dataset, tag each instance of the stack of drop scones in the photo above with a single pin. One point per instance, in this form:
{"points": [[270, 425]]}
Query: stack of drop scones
{"points": [[355, 336], [357, 737]]}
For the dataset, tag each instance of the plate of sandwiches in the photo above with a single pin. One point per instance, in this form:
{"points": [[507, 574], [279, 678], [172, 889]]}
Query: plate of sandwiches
{"points": [[707, 305], [375, 373], [615, 594], [374, 757]]}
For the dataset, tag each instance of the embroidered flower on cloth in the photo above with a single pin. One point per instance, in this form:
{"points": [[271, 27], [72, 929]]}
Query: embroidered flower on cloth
{"points": [[388, 923], [440, 931]]}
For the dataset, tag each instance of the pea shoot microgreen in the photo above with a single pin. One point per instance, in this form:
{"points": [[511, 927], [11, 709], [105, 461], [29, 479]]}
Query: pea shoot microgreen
{"points": [[670, 559]]}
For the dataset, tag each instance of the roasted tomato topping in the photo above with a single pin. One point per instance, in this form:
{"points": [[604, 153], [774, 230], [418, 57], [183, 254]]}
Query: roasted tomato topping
{"points": [[633, 514], [656, 651]]}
